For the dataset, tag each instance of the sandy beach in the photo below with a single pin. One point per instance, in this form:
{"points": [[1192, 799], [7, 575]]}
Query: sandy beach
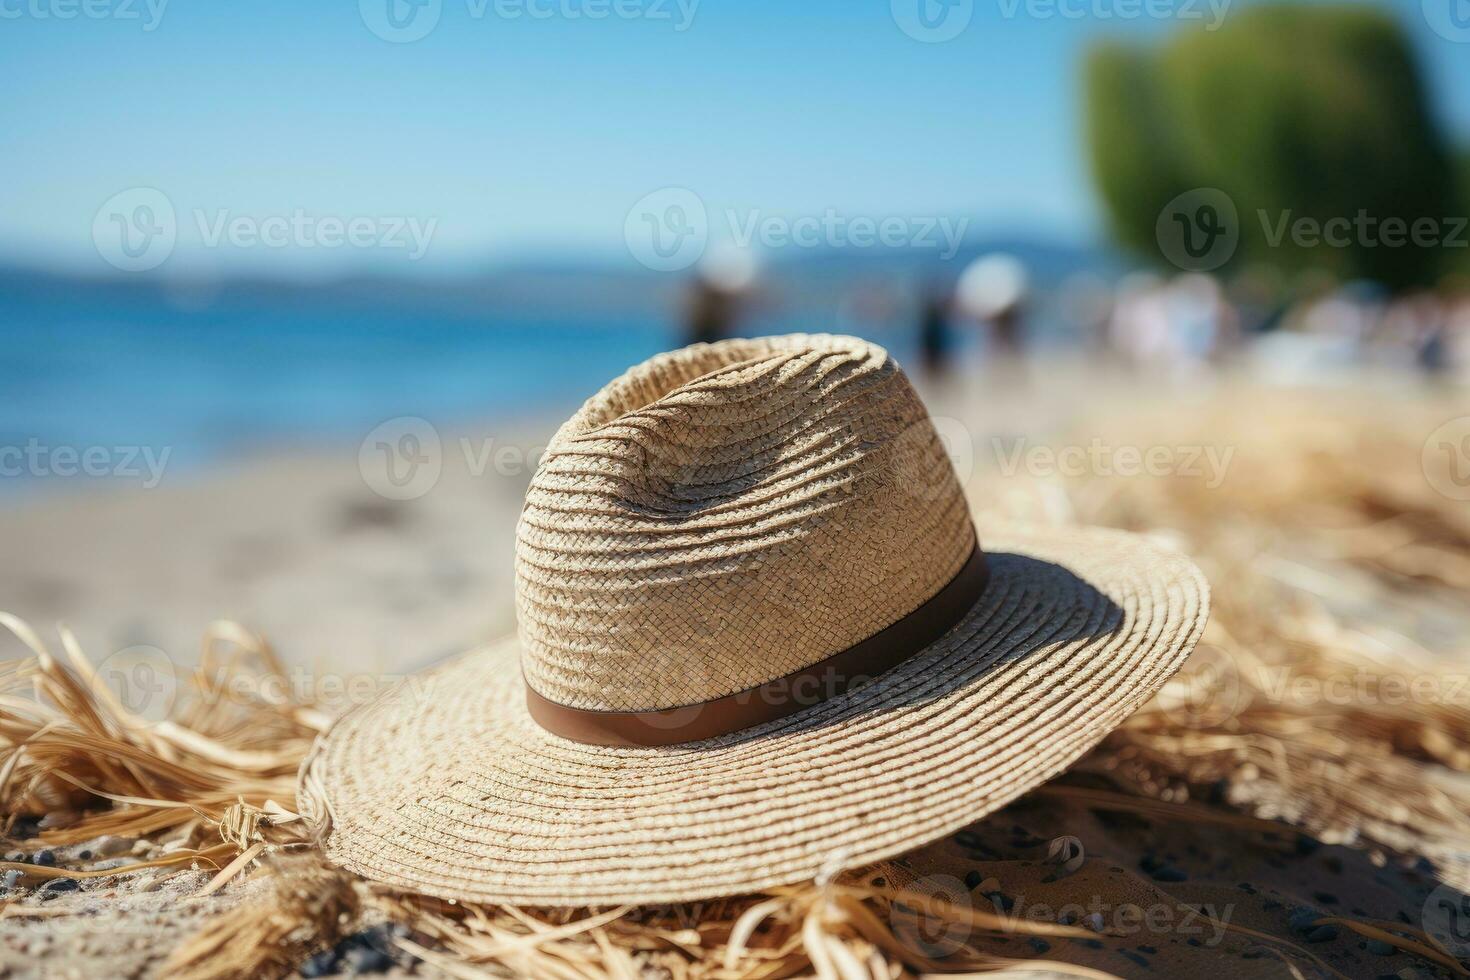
{"points": [[354, 589]]}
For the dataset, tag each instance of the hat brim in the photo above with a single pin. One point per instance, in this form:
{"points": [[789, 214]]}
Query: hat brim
{"points": [[445, 786]]}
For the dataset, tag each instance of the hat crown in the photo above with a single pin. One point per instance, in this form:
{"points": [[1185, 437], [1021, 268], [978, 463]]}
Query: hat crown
{"points": [[727, 514]]}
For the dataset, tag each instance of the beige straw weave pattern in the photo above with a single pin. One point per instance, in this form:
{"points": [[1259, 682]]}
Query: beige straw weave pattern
{"points": [[727, 514], [445, 785]]}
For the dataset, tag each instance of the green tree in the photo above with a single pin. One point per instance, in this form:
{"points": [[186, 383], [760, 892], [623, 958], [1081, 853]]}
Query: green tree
{"points": [[1301, 115]]}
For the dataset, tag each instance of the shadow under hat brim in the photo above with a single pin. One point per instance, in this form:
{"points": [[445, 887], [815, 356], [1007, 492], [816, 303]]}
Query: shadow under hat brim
{"points": [[446, 786]]}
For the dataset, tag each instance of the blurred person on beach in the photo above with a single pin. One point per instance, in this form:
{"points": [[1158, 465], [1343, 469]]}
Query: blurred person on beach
{"points": [[1182, 326], [993, 291], [936, 332], [719, 295]]}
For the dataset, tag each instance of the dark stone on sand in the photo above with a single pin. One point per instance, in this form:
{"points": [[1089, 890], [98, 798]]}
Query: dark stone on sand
{"points": [[84, 855], [365, 959], [323, 964], [972, 879], [1193, 942], [45, 858], [1040, 945], [1307, 845], [1304, 919], [1168, 873], [1380, 948], [1001, 901], [57, 886], [1322, 934]]}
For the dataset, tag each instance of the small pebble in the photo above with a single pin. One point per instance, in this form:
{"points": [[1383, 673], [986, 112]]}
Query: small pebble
{"points": [[365, 959], [11, 879], [15, 857], [1304, 919], [45, 858], [1094, 922], [1322, 934], [1168, 873], [972, 880], [110, 846], [1040, 945], [323, 964], [60, 885], [1001, 901]]}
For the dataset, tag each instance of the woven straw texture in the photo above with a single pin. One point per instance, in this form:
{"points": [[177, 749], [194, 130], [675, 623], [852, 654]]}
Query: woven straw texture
{"points": [[446, 786], [726, 514]]}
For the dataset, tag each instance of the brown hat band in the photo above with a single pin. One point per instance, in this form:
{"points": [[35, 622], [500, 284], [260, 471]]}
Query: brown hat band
{"points": [[827, 678]]}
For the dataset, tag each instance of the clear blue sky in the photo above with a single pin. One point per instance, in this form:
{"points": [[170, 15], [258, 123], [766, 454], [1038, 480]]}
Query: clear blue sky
{"points": [[533, 135]]}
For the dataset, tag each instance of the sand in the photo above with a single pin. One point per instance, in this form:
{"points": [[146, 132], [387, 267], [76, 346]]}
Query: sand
{"points": [[355, 589]]}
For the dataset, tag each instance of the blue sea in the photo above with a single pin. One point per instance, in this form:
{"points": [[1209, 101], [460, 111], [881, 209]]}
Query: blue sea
{"points": [[252, 368]]}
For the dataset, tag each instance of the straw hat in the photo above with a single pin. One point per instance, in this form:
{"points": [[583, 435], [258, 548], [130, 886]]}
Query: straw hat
{"points": [[759, 642]]}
